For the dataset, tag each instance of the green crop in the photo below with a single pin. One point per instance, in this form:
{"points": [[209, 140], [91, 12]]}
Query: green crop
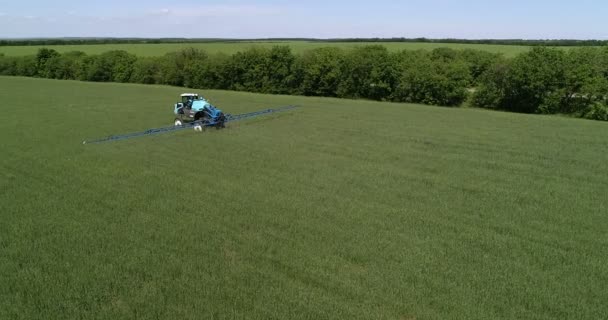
{"points": [[339, 209]]}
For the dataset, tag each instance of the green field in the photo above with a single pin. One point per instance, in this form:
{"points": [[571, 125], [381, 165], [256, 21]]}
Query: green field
{"points": [[232, 47], [340, 209]]}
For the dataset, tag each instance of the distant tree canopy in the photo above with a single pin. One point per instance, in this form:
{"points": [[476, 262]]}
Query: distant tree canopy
{"points": [[543, 80], [549, 81], [88, 41]]}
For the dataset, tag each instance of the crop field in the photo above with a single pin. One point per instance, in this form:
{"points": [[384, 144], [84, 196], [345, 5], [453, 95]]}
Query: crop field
{"points": [[338, 209], [233, 47]]}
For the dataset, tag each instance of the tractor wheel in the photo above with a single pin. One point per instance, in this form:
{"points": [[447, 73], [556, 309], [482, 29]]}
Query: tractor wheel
{"points": [[178, 123], [222, 121]]}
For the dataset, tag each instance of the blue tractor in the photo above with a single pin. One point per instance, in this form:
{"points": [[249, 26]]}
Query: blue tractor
{"points": [[196, 110]]}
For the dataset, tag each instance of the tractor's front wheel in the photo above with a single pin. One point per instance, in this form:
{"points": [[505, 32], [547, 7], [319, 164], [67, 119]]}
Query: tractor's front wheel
{"points": [[178, 122]]}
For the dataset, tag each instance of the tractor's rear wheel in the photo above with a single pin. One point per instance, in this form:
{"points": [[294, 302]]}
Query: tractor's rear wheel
{"points": [[222, 121]]}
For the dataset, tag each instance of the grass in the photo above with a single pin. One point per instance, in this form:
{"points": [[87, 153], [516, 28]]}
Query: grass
{"points": [[232, 47], [340, 209]]}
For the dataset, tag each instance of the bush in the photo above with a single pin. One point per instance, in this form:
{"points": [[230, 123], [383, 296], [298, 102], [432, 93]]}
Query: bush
{"points": [[8, 66], [597, 111], [26, 66]]}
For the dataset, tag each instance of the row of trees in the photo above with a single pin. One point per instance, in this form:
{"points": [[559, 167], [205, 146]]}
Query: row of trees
{"points": [[506, 42], [439, 77], [549, 81], [541, 81], [88, 41]]}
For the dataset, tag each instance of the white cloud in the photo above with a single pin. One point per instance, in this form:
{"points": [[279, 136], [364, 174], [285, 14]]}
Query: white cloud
{"points": [[218, 11], [160, 12]]}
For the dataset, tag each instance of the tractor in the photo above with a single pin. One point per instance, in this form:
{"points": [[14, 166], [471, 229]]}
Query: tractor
{"points": [[196, 110]]}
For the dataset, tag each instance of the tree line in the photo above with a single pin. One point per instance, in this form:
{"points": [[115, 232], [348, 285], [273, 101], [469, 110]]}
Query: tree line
{"points": [[93, 41], [506, 42], [89, 41], [544, 80]]}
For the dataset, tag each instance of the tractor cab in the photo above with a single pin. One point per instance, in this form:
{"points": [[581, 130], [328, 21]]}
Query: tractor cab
{"points": [[188, 102], [187, 97], [194, 107]]}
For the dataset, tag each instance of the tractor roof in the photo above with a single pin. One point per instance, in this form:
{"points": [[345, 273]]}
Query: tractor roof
{"points": [[189, 94]]}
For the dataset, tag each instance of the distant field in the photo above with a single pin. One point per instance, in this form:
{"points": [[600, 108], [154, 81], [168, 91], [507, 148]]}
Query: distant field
{"points": [[338, 210], [298, 46]]}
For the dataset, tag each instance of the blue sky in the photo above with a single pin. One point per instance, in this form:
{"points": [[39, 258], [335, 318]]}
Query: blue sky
{"points": [[582, 19]]}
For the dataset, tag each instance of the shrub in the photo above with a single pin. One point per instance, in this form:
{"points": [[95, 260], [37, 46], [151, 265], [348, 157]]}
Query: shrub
{"points": [[26, 66], [597, 111], [8, 66]]}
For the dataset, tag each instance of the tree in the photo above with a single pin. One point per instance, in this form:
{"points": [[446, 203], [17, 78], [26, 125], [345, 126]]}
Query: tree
{"points": [[426, 79], [279, 69], [532, 78], [26, 66], [444, 54], [248, 70], [146, 70], [178, 69], [546, 81], [8, 66], [212, 73], [114, 66], [479, 62], [368, 72], [72, 65], [42, 58], [493, 85], [319, 71]]}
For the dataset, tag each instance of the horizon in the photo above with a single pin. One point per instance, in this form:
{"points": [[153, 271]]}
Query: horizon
{"points": [[298, 39]]}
